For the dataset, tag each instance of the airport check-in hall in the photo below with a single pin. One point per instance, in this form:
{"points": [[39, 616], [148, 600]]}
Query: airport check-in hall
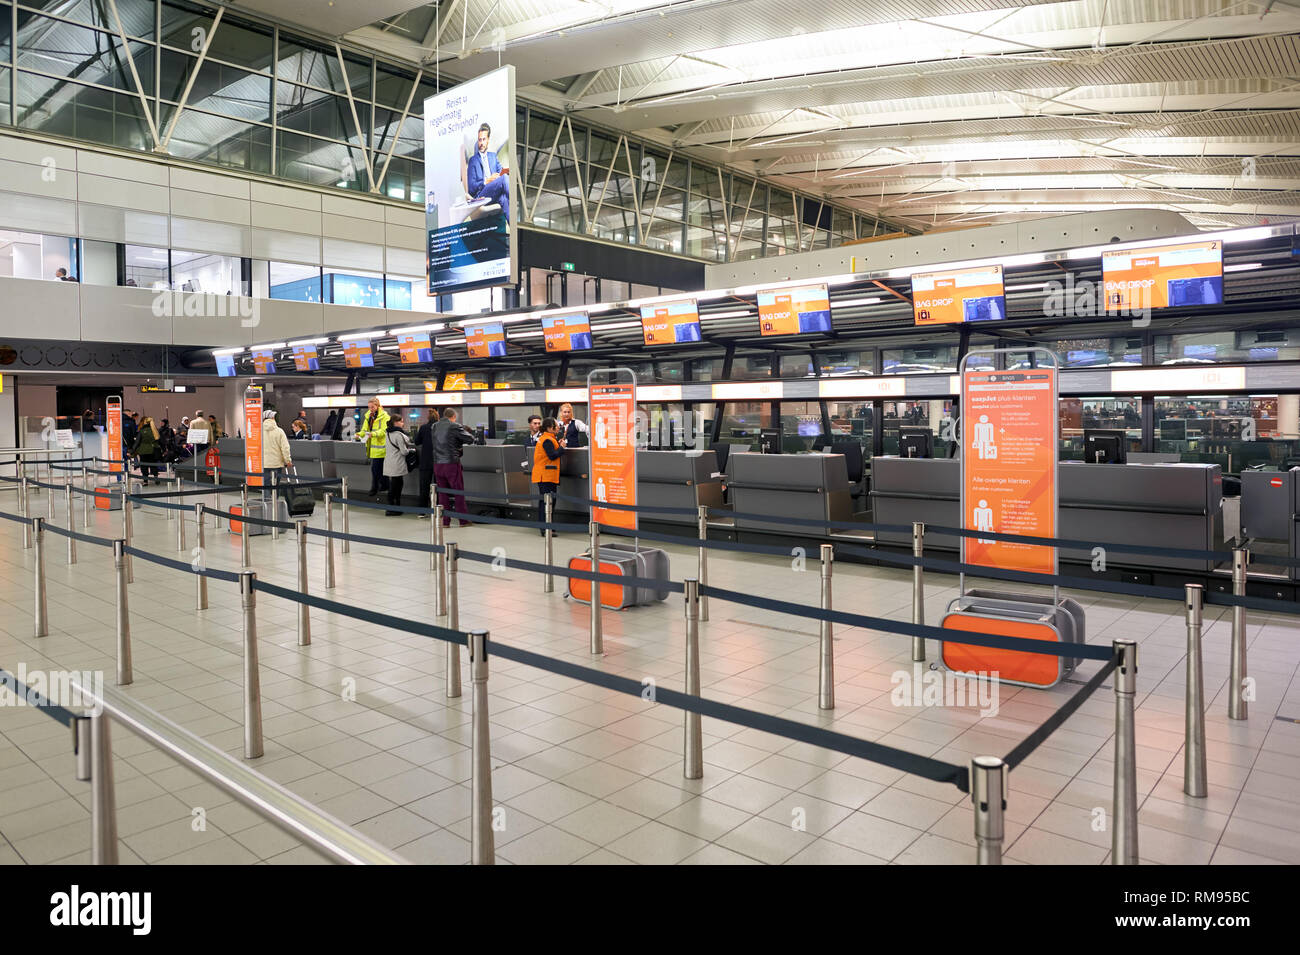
{"points": [[565, 433]]}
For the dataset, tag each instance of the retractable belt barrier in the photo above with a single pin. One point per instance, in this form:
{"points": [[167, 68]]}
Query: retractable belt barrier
{"points": [[644, 582], [75, 535], [226, 575], [36, 698], [1054, 722], [377, 541]]}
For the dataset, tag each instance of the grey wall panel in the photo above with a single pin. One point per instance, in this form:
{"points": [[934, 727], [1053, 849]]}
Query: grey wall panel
{"points": [[280, 246], [198, 235], [33, 306], [201, 205], [285, 321], [348, 228], [38, 214], [114, 224], [115, 314]]}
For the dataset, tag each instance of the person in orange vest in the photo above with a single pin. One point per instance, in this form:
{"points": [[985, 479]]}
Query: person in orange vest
{"points": [[546, 466]]}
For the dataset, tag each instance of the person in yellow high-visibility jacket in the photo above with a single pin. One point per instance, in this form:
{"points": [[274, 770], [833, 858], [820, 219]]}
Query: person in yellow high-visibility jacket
{"points": [[374, 432]]}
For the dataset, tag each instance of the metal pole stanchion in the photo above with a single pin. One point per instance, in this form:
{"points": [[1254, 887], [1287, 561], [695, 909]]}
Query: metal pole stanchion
{"points": [[40, 607], [252, 678], [702, 565], [826, 653], [275, 505], [453, 623], [988, 792], [22, 509], [49, 501], [200, 579], [439, 564], [548, 546], [1238, 709], [127, 521], [103, 801], [918, 590], [85, 497], [124, 670], [1124, 811], [597, 637], [72, 543], [1194, 773], [81, 748], [245, 559], [329, 541], [180, 531], [693, 742], [304, 617], [482, 850], [346, 543]]}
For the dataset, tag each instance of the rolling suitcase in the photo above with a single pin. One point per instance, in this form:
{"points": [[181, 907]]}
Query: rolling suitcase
{"points": [[260, 509], [1013, 615], [299, 499], [625, 560]]}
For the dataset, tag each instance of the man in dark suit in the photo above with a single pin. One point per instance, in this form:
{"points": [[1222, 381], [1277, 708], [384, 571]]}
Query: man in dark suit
{"points": [[484, 176], [424, 444]]}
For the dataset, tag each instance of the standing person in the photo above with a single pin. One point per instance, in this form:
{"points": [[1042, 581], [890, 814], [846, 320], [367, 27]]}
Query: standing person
{"points": [[546, 466], [534, 430], [331, 424], [449, 436], [200, 447], [573, 433], [424, 442], [397, 444], [130, 428], [374, 432], [148, 448], [299, 430], [214, 429], [276, 453]]}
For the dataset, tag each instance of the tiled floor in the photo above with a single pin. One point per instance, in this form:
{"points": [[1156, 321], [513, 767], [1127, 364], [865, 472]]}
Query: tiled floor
{"points": [[591, 776]]}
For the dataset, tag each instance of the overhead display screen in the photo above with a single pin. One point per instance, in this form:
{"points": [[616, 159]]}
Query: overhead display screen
{"points": [[1189, 273], [225, 365], [263, 361], [358, 354], [415, 348], [567, 332], [305, 358], [954, 296], [664, 323], [792, 311], [486, 341]]}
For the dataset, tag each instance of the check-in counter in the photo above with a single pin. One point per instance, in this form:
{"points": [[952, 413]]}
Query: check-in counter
{"points": [[1270, 518], [347, 459], [231, 452], [682, 479], [804, 486], [309, 458], [493, 470], [1161, 505], [575, 482]]}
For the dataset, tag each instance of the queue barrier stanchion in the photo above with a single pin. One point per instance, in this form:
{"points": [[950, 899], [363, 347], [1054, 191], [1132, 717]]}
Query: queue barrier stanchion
{"points": [[1124, 810], [1195, 783], [180, 531], [86, 494], [453, 622], [597, 636], [1238, 709], [826, 643], [200, 578], [245, 557], [482, 849], [275, 504], [343, 486], [433, 547], [918, 589], [103, 799], [22, 510], [40, 608], [693, 732], [49, 500], [81, 748], [988, 793], [180, 518], [702, 563], [304, 618], [72, 541], [127, 528], [329, 541], [439, 565], [125, 672], [548, 545], [252, 677]]}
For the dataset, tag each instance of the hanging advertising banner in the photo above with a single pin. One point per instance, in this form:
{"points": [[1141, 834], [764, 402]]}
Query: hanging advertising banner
{"points": [[1008, 464], [612, 408], [253, 436], [113, 419], [468, 178]]}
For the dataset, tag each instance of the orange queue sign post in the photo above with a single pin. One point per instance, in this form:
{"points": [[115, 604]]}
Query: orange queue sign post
{"points": [[113, 427], [612, 464], [253, 436]]}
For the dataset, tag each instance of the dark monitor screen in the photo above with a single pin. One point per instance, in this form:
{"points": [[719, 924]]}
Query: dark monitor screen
{"points": [[916, 443], [769, 440], [1105, 447], [1173, 429]]}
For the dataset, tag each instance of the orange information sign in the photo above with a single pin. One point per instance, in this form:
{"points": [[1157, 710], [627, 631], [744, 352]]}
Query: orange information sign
{"points": [[485, 341], [415, 348], [668, 322], [613, 452], [253, 436], [974, 294], [1008, 427], [113, 417], [1189, 273], [792, 311]]}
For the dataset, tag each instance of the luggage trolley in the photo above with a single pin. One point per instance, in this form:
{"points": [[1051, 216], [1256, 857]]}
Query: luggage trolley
{"points": [[1031, 616]]}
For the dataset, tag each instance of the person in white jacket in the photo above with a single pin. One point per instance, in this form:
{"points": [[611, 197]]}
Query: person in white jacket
{"points": [[276, 453]]}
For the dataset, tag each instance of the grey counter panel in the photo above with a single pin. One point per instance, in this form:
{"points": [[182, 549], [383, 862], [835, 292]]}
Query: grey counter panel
{"points": [[801, 486]]}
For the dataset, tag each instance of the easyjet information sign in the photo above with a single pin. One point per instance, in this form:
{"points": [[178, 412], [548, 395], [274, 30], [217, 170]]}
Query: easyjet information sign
{"points": [[113, 428], [253, 436], [613, 452], [1009, 466]]}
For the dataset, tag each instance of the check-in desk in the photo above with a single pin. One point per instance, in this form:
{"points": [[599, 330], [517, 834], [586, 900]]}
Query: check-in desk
{"points": [[347, 459], [231, 452], [1270, 518], [494, 470], [309, 458], [1160, 505], [574, 482], [803, 486], [682, 479]]}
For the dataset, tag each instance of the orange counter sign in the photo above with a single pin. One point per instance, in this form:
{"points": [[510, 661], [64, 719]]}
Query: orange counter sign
{"points": [[1189, 273], [959, 295], [113, 426], [613, 453], [1008, 428], [253, 436]]}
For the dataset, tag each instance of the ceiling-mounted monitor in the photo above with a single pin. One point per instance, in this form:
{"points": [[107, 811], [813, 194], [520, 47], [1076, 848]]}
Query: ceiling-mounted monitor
{"points": [[793, 311], [263, 361], [666, 323], [305, 357], [358, 354], [1163, 276], [485, 341], [570, 332], [415, 348], [953, 296], [225, 365]]}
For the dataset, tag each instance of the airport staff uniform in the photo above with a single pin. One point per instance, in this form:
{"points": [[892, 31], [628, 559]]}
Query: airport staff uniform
{"points": [[374, 432], [546, 470]]}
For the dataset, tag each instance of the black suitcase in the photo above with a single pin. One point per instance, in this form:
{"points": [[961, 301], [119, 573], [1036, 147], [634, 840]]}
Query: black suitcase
{"points": [[299, 499]]}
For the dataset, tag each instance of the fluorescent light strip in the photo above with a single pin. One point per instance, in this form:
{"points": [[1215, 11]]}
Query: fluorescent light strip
{"points": [[1244, 267], [1028, 258], [265, 347], [226, 351], [514, 335], [738, 313], [309, 341], [856, 301], [1026, 287], [414, 329], [1226, 236], [614, 326], [357, 335]]}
